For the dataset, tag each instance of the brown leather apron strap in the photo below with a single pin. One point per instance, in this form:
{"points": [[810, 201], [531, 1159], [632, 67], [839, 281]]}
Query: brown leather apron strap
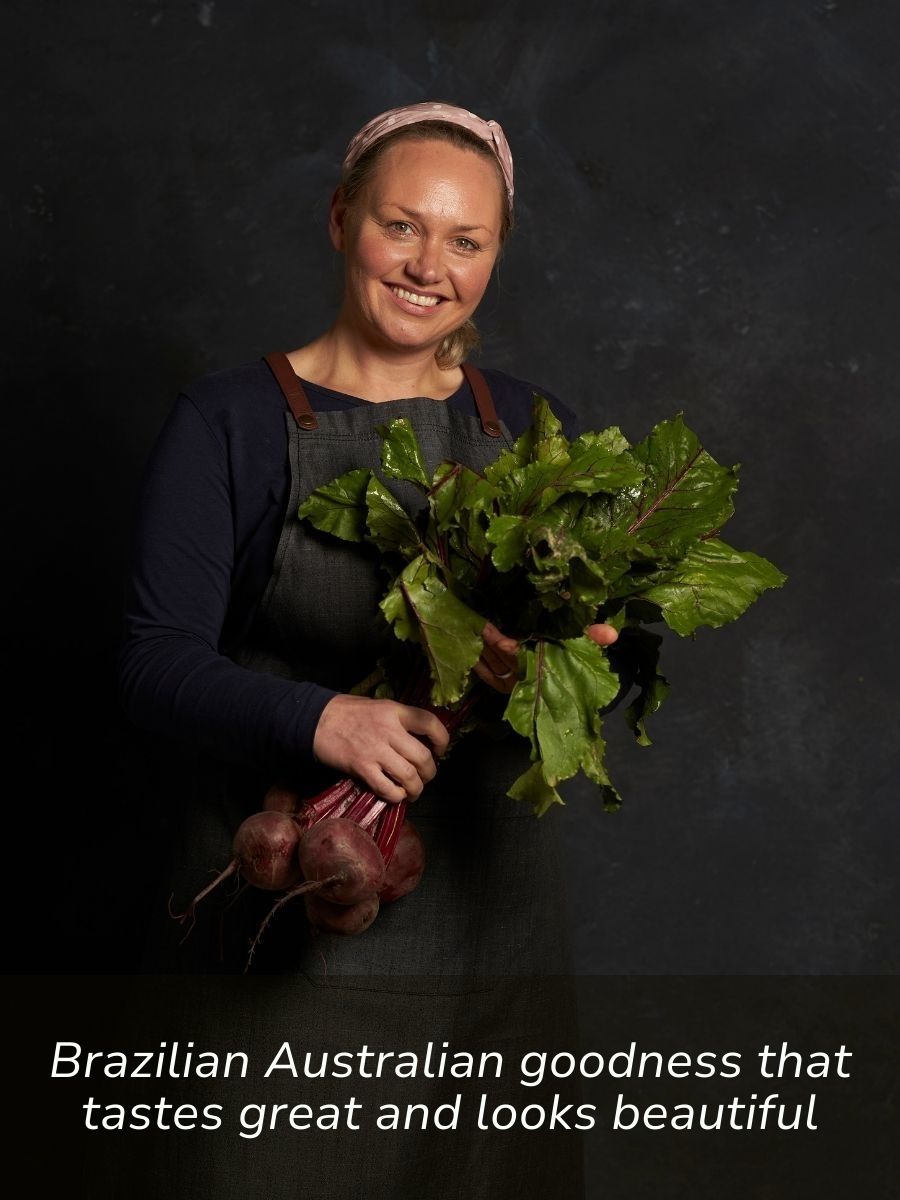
{"points": [[489, 421], [298, 401], [299, 404]]}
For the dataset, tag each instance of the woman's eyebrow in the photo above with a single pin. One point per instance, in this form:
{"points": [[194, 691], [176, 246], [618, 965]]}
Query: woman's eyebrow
{"points": [[417, 216]]}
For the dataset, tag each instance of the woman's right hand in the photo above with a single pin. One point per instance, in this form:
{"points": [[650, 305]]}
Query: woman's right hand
{"points": [[376, 742]]}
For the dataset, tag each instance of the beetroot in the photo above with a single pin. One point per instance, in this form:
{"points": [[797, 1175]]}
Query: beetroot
{"points": [[344, 858], [407, 864], [345, 919], [282, 798], [342, 864], [265, 846], [265, 853]]}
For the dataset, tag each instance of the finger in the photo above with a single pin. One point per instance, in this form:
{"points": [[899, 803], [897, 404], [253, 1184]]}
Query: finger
{"points": [[500, 664], [491, 636], [486, 675], [383, 786], [484, 672], [403, 772], [420, 720], [602, 634], [419, 754]]}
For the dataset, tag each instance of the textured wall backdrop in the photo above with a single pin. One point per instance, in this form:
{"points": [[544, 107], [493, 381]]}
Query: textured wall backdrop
{"points": [[708, 216]]}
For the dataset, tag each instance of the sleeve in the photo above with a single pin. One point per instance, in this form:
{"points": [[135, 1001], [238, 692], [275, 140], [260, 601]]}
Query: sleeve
{"points": [[173, 680], [515, 398]]}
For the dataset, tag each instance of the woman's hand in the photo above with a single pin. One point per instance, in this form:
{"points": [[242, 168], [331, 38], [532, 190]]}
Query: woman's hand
{"points": [[498, 665], [376, 742]]}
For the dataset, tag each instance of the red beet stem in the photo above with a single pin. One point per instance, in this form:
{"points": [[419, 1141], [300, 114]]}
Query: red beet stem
{"points": [[351, 799], [328, 802], [365, 810], [389, 827]]}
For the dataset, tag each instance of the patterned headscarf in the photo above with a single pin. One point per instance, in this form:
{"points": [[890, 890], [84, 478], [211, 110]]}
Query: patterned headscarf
{"points": [[489, 132]]}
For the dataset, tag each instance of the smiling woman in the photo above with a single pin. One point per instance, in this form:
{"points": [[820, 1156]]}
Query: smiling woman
{"points": [[247, 633], [416, 224], [420, 222]]}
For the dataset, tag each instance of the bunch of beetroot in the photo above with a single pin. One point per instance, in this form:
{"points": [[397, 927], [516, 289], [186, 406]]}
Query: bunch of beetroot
{"points": [[345, 850], [332, 861]]}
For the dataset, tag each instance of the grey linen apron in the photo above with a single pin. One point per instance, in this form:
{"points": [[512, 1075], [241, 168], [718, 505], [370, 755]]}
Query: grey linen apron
{"points": [[489, 903], [476, 956]]}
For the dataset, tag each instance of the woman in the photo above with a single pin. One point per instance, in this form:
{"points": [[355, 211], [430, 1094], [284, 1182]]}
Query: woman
{"points": [[246, 629]]}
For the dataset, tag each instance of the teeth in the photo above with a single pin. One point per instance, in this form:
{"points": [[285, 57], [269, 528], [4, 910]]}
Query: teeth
{"points": [[415, 298]]}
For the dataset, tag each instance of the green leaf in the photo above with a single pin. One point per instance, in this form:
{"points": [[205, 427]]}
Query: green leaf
{"points": [[422, 609], [387, 521], [566, 562], [399, 613], [594, 766], [616, 618], [604, 554], [456, 493], [401, 456], [543, 440], [712, 585], [533, 788], [509, 537], [533, 488], [556, 704], [684, 496], [505, 462], [339, 507], [611, 439], [641, 648], [459, 501]]}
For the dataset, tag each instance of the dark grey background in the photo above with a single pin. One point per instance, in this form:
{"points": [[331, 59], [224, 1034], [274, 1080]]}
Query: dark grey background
{"points": [[708, 204], [708, 219]]}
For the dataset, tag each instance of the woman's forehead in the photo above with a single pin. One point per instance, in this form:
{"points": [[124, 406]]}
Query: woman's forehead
{"points": [[412, 166]]}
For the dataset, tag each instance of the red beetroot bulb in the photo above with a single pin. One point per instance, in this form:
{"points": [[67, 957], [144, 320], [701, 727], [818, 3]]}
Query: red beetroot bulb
{"points": [[282, 798], [345, 919], [338, 847], [406, 867], [265, 854]]}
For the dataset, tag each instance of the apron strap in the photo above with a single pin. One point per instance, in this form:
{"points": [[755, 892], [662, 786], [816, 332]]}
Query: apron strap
{"points": [[299, 404], [297, 399], [483, 398]]}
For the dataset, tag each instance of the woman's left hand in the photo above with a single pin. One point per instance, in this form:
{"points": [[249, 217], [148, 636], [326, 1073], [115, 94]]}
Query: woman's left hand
{"points": [[498, 665]]}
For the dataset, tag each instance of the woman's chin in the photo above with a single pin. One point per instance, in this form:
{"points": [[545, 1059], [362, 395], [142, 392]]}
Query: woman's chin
{"points": [[402, 337]]}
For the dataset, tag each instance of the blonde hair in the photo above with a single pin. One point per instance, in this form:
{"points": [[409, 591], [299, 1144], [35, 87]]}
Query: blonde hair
{"points": [[457, 345]]}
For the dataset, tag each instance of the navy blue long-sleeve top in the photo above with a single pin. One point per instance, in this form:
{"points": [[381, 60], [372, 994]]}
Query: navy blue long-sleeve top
{"points": [[209, 515]]}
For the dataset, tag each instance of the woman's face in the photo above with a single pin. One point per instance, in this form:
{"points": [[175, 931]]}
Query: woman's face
{"points": [[420, 241]]}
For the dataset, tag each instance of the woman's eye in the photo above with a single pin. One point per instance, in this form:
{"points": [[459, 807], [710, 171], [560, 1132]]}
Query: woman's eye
{"points": [[466, 244], [400, 226]]}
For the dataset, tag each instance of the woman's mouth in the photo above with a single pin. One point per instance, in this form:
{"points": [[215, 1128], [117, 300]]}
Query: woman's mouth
{"points": [[415, 298]]}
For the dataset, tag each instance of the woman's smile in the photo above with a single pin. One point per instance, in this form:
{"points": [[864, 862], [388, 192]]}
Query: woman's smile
{"points": [[415, 300]]}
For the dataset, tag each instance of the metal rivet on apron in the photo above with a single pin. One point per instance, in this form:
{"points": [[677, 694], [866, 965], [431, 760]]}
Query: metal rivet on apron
{"points": [[492, 428], [307, 422]]}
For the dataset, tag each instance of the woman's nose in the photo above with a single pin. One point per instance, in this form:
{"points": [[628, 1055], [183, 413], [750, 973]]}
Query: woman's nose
{"points": [[426, 265]]}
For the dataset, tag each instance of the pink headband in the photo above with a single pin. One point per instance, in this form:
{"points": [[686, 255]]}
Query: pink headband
{"points": [[394, 118]]}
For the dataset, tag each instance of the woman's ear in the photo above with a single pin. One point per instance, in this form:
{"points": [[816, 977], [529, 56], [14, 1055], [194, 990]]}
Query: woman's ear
{"points": [[337, 219]]}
